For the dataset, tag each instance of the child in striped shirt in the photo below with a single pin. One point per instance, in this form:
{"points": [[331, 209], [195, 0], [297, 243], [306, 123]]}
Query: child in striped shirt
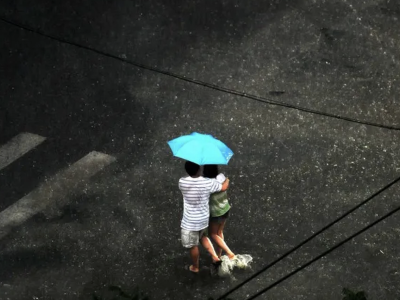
{"points": [[196, 192]]}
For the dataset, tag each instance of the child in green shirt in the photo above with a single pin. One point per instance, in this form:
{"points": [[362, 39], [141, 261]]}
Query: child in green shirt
{"points": [[219, 212]]}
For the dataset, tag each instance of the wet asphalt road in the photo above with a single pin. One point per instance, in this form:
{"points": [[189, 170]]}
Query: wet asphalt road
{"points": [[292, 173]]}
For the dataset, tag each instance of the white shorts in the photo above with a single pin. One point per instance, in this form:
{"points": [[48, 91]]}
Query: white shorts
{"points": [[192, 238]]}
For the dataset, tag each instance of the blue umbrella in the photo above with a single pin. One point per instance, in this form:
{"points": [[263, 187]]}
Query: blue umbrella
{"points": [[202, 149]]}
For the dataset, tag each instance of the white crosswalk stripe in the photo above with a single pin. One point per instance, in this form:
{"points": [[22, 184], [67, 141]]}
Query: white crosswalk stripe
{"points": [[17, 147], [61, 185]]}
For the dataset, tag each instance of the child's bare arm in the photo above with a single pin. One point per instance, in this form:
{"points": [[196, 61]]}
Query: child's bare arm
{"points": [[225, 185]]}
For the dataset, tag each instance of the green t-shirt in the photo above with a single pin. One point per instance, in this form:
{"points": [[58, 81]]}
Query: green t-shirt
{"points": [[219, 204]]}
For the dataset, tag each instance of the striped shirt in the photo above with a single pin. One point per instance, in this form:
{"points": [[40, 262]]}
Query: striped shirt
{"points": [[196, 194]]}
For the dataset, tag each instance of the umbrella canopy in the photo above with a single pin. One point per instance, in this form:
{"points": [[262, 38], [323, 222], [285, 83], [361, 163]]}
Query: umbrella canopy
{"points": [[202, 149]]}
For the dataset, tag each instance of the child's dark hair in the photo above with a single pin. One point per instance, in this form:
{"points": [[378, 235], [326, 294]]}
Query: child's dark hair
{"points": [[191, 168], [210, 171]]}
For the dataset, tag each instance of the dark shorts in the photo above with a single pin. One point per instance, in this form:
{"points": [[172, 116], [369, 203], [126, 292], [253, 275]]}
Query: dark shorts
{"points": [[220, 219]]}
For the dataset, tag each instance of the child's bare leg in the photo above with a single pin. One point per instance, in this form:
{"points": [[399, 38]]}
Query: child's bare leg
{"points": [[221, 235], [194, 254], [205, 241], [218, 236], [214, 226], [221, 230]]}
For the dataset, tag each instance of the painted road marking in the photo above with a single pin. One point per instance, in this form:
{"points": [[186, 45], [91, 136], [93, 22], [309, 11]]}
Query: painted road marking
{"points": [[17, 147], [58, 187]]}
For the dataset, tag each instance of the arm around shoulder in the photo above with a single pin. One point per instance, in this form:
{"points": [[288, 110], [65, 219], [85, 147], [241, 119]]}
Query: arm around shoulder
{"points": [[225, 185]]}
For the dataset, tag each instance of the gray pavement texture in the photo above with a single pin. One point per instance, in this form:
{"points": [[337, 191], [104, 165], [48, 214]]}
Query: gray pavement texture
{"points": [[292, 172]]}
